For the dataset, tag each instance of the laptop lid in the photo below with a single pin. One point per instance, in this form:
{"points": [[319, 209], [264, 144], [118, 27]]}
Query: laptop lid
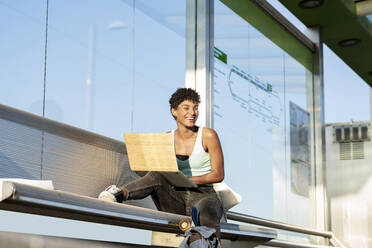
{"points": [[151, 152], [155, 152]]}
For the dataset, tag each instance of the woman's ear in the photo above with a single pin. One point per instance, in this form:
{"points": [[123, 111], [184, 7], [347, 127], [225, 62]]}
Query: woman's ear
{"points": [[174, 113]]}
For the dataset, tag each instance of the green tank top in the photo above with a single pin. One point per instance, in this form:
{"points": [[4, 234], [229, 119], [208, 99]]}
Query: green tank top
{"points": [[198, 163]]}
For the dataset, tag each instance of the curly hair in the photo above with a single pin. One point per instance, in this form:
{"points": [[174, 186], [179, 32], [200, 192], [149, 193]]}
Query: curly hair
{"points": [[183, 94]]}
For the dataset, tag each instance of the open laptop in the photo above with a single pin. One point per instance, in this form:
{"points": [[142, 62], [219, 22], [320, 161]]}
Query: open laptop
{"points": [[155, 152]]}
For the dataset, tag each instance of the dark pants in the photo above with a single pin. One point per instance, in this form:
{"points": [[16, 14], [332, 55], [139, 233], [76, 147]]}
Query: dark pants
{"points": [[175, 200]]}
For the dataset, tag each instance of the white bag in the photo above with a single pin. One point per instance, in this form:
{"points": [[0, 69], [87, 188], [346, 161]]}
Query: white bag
{"points": [[208, 238], [228, 197]]}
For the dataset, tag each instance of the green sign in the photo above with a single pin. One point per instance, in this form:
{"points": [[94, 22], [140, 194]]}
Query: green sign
{"points": [[220, 55], [269, 88]]}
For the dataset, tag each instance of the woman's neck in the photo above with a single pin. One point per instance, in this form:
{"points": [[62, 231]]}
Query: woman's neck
{"points": [[186, 132]]}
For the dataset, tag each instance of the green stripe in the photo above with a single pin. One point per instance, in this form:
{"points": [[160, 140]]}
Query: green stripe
{"points": [[272, 30]]}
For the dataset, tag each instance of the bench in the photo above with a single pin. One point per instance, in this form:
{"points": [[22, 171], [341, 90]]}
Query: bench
{"points": [[55, 203]]}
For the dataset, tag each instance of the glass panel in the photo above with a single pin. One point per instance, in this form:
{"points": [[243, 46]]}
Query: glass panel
{"points": [[297, 185], [160, 61], [261, 115], [89, 65], [112, 66], [342, 86], [369, 17], [22, 39]]}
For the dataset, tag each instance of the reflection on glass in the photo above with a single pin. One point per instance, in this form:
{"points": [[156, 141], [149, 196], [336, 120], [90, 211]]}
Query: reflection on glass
{"points": [[369, 17], [22, 43], [159, 62], [89, 65], [112, 66], [262, 118]]}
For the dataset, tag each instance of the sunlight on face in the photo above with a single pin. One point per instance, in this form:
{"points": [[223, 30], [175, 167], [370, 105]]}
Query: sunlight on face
{"points": [[186, 113]]}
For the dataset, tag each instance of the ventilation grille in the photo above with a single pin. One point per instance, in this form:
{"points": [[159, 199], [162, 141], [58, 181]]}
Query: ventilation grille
{"points": [[358, 150], [345, 151], [351, 150], [352, 133]]}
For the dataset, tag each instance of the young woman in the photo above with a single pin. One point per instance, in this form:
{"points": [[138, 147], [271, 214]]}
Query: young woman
{"points": [[199, 157]]}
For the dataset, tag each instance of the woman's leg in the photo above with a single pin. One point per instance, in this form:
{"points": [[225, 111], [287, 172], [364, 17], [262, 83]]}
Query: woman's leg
{"points": [[165, 197], [209, 208]]}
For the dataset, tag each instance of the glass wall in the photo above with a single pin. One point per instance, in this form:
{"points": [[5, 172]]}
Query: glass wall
{"points": [[347, 96], [262, 117], [110, 66], [116, 64], [22, 44], [159, 62]]}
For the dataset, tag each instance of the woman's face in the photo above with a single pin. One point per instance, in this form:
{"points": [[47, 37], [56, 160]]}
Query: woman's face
{"points": [[186, 113]]}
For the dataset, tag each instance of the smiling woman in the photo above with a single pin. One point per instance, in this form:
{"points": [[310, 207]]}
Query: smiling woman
{"points": [[199, 157]]}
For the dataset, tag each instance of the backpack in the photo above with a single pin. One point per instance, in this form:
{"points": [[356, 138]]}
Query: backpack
{"points": [[208, 238]]}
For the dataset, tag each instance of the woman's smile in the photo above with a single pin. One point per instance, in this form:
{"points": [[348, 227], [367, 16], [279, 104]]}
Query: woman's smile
{"points": [[191, 119]]}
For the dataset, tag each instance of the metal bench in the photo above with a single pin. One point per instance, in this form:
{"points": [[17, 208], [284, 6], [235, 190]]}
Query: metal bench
{"points": [[55, 203]]}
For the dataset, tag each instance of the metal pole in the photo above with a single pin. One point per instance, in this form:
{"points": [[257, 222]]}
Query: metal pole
{"points": [[90, 79], [190, 76], [318, 133], [204, 61]]}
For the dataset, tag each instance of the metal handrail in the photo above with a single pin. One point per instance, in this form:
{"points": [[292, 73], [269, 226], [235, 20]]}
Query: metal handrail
{"points": [[55, 203], [289, 244], [287, 227], [276, 224]]}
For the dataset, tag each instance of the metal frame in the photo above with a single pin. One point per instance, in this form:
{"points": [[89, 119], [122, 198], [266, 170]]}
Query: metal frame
{"points": [[288, 26], [199, 56], [316, 101]]}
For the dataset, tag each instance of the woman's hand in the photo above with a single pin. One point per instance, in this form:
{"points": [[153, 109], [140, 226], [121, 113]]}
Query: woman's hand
{"points": [[212, 145]]}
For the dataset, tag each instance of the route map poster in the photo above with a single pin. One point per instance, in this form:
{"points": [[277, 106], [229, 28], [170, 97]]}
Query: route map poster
{"points": [[247, 110], [300, 150]]}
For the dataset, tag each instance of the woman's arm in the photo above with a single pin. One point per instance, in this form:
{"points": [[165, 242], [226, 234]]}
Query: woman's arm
{"points": [[212, 145]]}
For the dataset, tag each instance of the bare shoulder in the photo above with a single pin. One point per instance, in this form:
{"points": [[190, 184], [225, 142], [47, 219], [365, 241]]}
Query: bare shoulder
{"points": [[209, 133]]}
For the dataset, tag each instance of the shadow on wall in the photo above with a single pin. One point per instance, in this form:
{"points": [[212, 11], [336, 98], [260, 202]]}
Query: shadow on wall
{"points": [[348, 179]]}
